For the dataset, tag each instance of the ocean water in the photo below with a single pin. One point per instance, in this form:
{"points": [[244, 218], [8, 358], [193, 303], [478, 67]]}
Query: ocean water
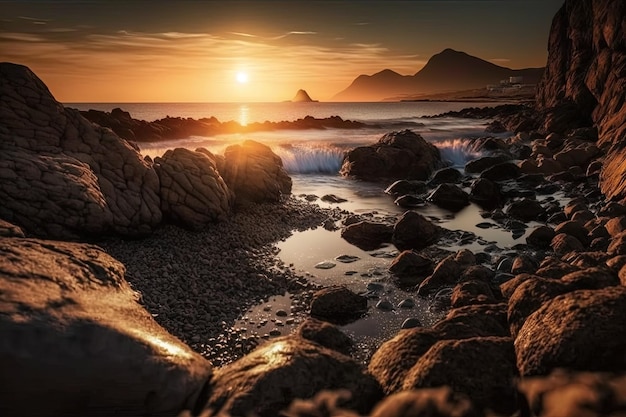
{"points": [[313, 159]]}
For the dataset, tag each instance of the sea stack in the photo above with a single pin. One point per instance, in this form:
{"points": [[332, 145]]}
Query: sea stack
{"points": [[302, 97]]}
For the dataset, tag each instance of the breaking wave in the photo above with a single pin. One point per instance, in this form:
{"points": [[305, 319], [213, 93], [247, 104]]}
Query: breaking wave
{"points": [[457, 152], [310, 160]]}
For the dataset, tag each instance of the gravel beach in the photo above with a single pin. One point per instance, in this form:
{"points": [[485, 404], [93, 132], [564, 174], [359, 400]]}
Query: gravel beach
{"points": [[196, 284]]}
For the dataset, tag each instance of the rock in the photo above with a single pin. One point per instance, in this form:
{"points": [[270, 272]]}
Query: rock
{"points": [[617, 245], [541, 237], [411, 268], [332, 198], [367, 235], [325, 403], [472, 292], [302, 96], [193, 193], [446, 273], [502, 172], [567, 331], [523, 264], [480, 164], [391, 363], [468, 313], [409, 201], [525, 209], [325, 265], [450, 197], [414, 231], [460, 365], [574, 229], [616, 225], [485, 193], [478, 273], [384, 305], [409, 303], [325, 334], [568, 393], [403, 187], [446, 176], [62, 176], [337, 304], [69, 319], [396, 155], [10, 230], [255, 173], [563, 243], [435, 402], [268, 379], [347, 259]]}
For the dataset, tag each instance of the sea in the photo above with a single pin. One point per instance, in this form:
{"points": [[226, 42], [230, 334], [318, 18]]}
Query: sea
{"points": [[313, 159]]}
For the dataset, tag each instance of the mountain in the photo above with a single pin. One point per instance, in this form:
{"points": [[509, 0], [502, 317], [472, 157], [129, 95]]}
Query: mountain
{"points": [[448, 70], [302, 97]]}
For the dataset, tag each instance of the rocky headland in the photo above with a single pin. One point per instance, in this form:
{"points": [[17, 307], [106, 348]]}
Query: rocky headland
{"points": [[126, 127], [142, 323]]}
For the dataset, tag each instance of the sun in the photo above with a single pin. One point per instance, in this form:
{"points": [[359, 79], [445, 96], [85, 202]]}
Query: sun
{"points": [[242, 77]]}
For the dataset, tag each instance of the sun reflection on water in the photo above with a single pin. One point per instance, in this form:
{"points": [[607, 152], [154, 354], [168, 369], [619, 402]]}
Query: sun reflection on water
{"points": [[244, 113]]}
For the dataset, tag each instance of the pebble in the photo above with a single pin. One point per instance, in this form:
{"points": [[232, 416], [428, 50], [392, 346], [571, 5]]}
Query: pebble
{"points": [[375, 286], [407, 303], [350, 273], [325, 265], [384, 305], [281, 313], [411, 323], [346, 259], [275, 332]]}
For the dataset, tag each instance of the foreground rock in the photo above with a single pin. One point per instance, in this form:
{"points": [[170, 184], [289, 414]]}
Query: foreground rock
{"points": [[63, 177], [75, 338], [193, 192], [255, 173], [568, 331], [397, 155], [337, 304], [268, 379]]}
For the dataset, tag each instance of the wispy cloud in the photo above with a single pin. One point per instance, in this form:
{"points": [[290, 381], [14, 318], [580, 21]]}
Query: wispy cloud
{"points": [[37, 19], [21, 37]]}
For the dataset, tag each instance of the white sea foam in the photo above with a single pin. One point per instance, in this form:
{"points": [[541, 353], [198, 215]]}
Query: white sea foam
{"points": [[457, 152], [299, 159]]}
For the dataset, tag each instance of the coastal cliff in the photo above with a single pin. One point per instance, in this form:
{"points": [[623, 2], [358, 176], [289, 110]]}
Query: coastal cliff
{"points": [[586, 76]]}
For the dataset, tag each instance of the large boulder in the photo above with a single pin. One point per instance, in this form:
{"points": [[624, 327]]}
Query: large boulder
{"points": [[396, 155], [586, 72], [62, 176], [192, 191], [450, 197], [266, 381], [581, 330], [255, 173], [426, 402], [414, 231], [75, 338], [337, 304]]}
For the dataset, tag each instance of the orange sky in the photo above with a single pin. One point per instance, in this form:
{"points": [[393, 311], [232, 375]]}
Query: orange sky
{"points": [[139, 51]]}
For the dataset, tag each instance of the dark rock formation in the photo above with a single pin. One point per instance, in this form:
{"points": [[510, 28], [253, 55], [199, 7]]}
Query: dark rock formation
{"points": [[411, 268], [75, 338], [63, 177], [585, 77], [193, 193], [367, 235], [169, 128], [431, 402], [396, 155], [337, 304], [268, 379], [449, 197], [414, 231], [255, 173]]}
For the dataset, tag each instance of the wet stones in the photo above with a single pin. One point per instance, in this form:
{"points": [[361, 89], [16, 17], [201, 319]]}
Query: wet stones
{"points": [[414, 231], [367, 235], [450, 197], [411, 268], [337, 304]]}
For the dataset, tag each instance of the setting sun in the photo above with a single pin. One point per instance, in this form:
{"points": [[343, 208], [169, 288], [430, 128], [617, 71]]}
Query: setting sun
{"points": [[242, 77]]}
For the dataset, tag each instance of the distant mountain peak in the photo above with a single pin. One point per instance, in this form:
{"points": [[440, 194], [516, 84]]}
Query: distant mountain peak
{"points": [[302, 97]]}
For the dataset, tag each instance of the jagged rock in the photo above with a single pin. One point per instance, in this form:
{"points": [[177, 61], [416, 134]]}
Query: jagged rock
{"points": [[540, 237], [447, 273], [414, 231], [367, 235], [446, 175], [10, 230], [564, 243], [75, 338], [268, 379], [302, 97], [568, 330], [586, 71], [472, 292], [502, 172], [255, 173], [62, 176], [478, 165], [192, 191], [396, 155], [450, 197], [525, 209]]}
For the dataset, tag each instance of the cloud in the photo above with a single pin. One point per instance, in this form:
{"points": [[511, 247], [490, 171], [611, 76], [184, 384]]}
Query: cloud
{"points": [[36, 19], [502, 60], [21, 37]]}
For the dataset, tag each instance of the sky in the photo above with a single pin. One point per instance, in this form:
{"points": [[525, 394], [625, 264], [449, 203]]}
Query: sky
{"points": [[232, 51]]}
